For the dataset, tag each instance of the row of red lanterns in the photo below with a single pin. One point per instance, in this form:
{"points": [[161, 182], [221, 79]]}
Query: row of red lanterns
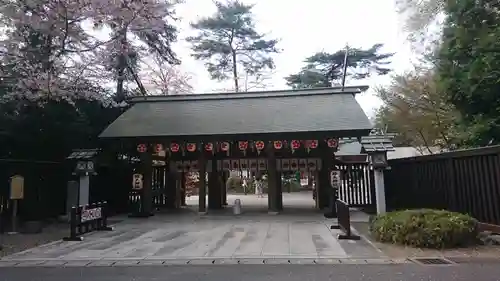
{"points": [[242, 145]]}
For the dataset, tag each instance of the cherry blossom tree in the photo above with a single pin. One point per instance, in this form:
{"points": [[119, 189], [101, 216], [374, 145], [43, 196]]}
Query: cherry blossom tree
{"points": [[50, 50], [145, 23], [164, 79]]}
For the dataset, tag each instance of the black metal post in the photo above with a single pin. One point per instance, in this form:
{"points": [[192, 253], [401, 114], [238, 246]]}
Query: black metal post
{"points": [[73, 225], [99, 222], [104, 213], [344, 221]]}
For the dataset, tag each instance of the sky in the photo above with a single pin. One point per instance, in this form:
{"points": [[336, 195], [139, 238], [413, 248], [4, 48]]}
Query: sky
{"points": [[306, 27]]}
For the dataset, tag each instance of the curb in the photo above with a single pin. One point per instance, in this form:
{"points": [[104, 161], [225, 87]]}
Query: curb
{"points": [[195, 261]]}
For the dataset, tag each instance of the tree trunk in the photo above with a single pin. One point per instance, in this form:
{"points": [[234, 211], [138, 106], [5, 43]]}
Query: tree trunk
{"points": [[235, 73], [121, 67]]}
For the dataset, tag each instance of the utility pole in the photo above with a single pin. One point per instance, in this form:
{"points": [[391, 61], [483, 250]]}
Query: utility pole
{"points": [[344, 74]]}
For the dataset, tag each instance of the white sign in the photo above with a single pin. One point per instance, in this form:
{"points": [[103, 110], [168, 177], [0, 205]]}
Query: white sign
{"points": [[137, 181], [335, 179], [91, 214]]}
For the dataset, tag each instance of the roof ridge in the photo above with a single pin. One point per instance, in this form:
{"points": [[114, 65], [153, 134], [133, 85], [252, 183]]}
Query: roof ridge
{"points": [[250, 95]]}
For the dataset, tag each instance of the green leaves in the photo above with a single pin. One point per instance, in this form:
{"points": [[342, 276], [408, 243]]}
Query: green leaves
{"points": [[230, 45], [323, 68], [469, 66], [425, 228], [418, 112], [51, 131]]}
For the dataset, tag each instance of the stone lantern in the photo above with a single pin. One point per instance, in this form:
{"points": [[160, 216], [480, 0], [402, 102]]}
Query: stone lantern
{"points": [[376, 146], [84, 163]]}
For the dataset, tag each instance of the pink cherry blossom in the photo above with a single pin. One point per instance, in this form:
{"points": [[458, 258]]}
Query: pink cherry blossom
{"points": [[50, 50]]}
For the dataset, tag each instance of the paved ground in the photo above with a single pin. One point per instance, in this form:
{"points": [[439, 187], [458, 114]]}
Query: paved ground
{"points": [[301, 200], [299, 233], [407, 272]]}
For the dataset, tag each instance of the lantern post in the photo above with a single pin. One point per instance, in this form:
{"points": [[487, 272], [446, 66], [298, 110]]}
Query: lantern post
{"points": [[79, 192], [376, 145], [378, 160]]}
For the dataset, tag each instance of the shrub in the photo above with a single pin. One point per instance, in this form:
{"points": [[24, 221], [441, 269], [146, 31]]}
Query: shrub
{"points": [[291, 186], [234, 183], [425, 228]]}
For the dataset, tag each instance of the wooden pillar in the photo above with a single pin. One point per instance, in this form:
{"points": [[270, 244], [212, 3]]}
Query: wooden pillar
{"points": [[147, 192], [327, 196], [309, 179], [171, 186], [316, 185], [214, 189], [279, 192], [202, 204], [182, 193], [181, 182], [224, 188], [324, 187], [272, 190]]}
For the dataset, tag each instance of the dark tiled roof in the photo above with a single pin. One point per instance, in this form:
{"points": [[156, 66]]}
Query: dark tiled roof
{"points": [[377, 143], [252, 113], [80, 154]]}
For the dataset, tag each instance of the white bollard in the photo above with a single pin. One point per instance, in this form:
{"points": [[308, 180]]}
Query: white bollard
{"points": [[237, 207]]}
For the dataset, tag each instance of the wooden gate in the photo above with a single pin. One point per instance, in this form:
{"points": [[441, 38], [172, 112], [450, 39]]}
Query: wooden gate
{"points": [[158, 186], [158, 189], [356, 184]]}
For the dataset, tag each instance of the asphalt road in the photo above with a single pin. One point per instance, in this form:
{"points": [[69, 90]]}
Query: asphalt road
{"points": [[406, 272]]}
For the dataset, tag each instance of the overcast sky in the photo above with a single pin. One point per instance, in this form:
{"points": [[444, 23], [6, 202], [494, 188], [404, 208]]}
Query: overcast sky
{"points": [[305, 27]]}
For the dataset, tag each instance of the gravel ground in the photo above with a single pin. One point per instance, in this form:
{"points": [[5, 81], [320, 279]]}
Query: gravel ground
{"points": [[13, 243], [395, 251]]}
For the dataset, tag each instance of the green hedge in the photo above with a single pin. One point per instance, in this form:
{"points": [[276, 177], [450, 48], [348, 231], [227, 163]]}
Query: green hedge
{"points": [[292, 186], [425, 228]]}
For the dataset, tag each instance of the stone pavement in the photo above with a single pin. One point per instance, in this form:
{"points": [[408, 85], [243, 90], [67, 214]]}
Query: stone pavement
{"points": [[217, 238]]}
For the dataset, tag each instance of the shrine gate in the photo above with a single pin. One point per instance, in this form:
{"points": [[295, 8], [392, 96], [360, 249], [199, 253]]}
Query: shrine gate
{"points": [[264, 132]]}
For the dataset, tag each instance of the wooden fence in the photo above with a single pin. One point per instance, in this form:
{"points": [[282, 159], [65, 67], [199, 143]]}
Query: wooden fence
{"points": [[466, 181], [44, 189], [356, 184]]}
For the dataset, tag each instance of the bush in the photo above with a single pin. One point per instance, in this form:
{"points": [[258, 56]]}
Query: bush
{"points": [[234, 183], [425, 228], [291, 186]]}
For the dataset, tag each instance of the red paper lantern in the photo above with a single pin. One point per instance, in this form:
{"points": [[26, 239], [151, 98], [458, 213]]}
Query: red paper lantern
{"points": [[158, 147], [243, 145], [224, 146], [174, 147], [191, 147], [260, 145], [332, 143], [209, 146], [295, 144], [278, 144], [313, 144], [142, 148]]}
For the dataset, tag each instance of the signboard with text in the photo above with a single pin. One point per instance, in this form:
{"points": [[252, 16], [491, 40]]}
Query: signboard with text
{"points": [[137, 181], [17, 187], [91, 214], [335, 179]]}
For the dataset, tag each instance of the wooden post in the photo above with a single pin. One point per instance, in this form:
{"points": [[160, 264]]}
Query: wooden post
{"points": [[214, 189], [224, 188], [324, 187], [316, 185], [147, 194], [171, 187], [202, 201], [272, 190], [279, 192], [182, 193]]}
